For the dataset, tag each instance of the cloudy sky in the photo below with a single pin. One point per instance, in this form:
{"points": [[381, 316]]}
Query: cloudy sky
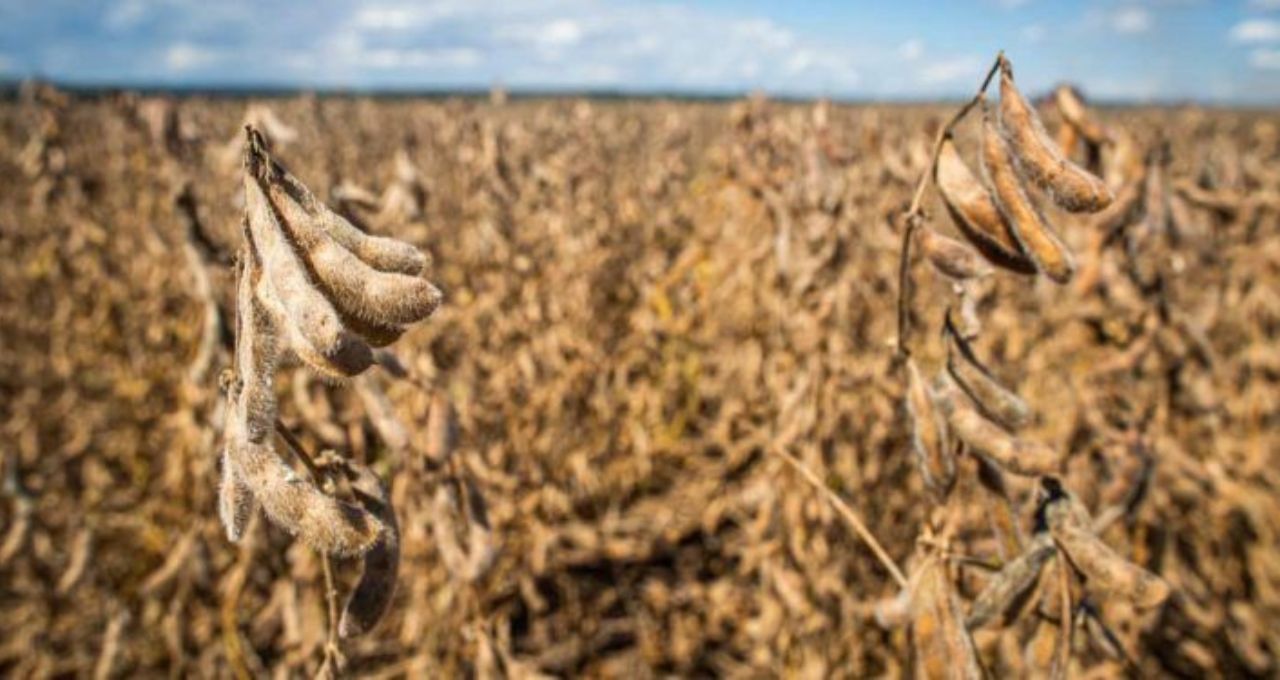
{"points": [[1211, 50]]}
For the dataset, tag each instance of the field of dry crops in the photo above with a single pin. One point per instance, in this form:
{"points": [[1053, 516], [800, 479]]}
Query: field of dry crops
{"points": [[647, 305]]}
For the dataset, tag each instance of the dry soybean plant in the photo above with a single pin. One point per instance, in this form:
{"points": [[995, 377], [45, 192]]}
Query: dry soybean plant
{"points": [[312, 288], [965, 425]]}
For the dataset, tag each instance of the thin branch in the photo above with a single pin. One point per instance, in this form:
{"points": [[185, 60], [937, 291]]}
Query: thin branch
{"points": [[904, 284], [332, 653], [333, 659], [296, 446], [915, 212], [945, 132], [1062, 651], [849, 514]]}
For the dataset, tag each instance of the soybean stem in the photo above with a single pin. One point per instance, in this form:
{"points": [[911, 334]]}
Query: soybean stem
{"points": [[915, 212]]}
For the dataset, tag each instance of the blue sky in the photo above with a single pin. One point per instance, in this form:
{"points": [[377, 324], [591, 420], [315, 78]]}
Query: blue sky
{"points": [[1115, 49]]}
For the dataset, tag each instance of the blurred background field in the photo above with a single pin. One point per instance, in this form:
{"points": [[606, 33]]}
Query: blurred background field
{"points": [[645, 300]]}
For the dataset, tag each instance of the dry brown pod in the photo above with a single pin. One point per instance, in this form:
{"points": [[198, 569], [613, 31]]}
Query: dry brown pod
{"points": [[256, 350], [236, 503], [315, 331], [1068, 138], [460, 525], [996, 401], [356, 288], [1116, 215], [1069, 523], [975, 212], [1156, 196], [1001, 514], [1029, 226], [941, 642], [295, 504], [1012, 584], [442, 430], [381, 253], [951, 257], [1016, 455], [928, 434], [1070, 186], [291, 502], [373, 592], [366, 300], [1077, 115]]}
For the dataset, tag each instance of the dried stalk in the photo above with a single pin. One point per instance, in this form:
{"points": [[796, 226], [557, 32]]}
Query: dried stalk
{"points": [[850, 516], [915, 214]]}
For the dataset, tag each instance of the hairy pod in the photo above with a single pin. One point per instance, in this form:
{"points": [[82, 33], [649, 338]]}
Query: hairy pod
{"points": [[1014, 583], [1040, 159], [296, 505], [292, 340], [1029, 226], [236, 503], [291, 502], [373, 592], [256, 351], [975, 212], [928, 434], [951, 257], [1070, 525], [996, 401], [1074, 112], [310, 312], [1018, 456], [941, 642], [355, 288], [382, 253]]}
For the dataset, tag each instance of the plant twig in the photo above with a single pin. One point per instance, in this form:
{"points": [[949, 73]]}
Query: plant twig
{"points": [[1062, 651], [915, 212], [296, 446], [849, 514], [333, 659], [332, 653]]}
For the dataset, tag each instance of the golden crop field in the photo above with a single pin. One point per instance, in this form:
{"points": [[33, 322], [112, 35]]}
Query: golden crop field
{"points": [[661, 393]]}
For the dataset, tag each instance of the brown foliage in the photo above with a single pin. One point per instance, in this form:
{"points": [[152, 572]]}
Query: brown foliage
{"points": [[643, 298]]}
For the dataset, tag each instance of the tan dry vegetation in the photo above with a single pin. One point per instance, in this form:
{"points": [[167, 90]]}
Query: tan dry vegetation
{"points": [[644, 304]]}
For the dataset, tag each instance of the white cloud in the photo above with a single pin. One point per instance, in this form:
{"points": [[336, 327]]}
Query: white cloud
{"points": [[764, 32], [1012, 4], [1256, 31], [1265, 59], [187, 56], [911, 50], [418, 58], [1131, 20], [957, 69], [1032, 34], [560, 33], [405, 17], [1266, 4], [550, 38]]}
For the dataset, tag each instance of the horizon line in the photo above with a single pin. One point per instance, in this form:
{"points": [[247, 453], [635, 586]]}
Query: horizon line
{"points": [[9, 88]]}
